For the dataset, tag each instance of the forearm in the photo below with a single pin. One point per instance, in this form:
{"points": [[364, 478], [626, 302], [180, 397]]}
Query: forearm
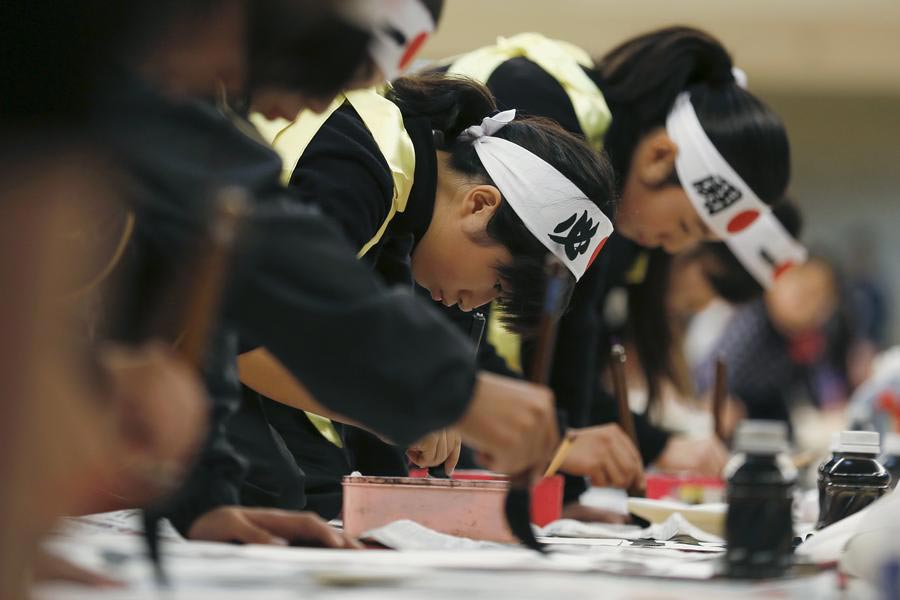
{"points": [[263, 373]]}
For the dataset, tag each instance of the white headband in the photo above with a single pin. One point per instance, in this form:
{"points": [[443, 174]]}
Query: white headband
{"points": [[552, 208], [404, 28], [726, 203]]}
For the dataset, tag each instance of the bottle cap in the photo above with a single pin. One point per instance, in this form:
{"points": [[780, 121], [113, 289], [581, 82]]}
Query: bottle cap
{"points": [[761, 437], [891, 446], [860, 442]]}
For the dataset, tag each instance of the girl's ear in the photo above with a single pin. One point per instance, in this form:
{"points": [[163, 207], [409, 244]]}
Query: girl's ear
{"points": [[481, 199], [479, 204], [654, 158]]}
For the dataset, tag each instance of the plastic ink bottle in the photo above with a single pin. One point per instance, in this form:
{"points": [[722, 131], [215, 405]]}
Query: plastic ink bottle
{"points": [[825, 466], [759, 526], [890, 458], [855, 479]]}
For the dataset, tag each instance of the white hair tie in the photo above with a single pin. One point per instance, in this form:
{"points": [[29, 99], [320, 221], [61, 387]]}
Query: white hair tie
{"points": [[489, 126]]}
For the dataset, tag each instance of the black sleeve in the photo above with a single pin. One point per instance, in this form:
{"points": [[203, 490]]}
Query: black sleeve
{"points": [[370, 353], [521, 84], [343, 172], [216, 478], [652, 439], [365, 351], [490, 360]]}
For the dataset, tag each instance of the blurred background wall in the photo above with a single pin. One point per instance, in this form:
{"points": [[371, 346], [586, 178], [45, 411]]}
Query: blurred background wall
{"points": [[831, 68]]}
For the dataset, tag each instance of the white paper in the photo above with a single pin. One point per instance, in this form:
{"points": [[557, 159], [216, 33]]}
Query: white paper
{"points": [[409, 535], [127, 522], [675, 526], [207, 571], [709, 518]]}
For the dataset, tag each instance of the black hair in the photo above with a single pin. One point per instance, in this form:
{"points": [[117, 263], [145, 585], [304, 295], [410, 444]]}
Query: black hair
{"points": [[310, 46], [725, 273], [304, 46], [641, 79], [452, 104], [656, 337], [435, 8]]}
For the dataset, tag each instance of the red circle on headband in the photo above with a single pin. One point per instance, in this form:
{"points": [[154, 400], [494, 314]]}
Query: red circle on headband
{"points": [[742, 220], [782, 269], [412, 50], [597, 251]]}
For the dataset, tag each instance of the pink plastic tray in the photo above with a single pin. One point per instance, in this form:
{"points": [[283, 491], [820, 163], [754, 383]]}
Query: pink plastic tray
{"points": [[462, 507]]}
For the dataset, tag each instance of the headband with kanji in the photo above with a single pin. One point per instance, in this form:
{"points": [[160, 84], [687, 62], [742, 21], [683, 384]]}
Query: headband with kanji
{"points": [[552, 208], [733, 212]]}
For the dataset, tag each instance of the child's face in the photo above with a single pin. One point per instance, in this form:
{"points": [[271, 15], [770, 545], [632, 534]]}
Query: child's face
{"points": [[661, 217], [654, 213], [455, 260], [803, 298], [278, 103]]}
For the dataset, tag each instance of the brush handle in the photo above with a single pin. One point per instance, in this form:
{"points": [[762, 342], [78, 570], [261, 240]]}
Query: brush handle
{"points": [[556, 278], [626, 419], [720, 391], [620, 387], [476, 332], [518, 499]]}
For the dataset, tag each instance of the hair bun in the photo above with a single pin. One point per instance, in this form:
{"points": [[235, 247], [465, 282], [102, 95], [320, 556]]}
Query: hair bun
{"points": [[714, 65]]}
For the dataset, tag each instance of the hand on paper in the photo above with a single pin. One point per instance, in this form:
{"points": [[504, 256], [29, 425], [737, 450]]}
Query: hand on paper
{"points": [[268, 526], [704, 457]]}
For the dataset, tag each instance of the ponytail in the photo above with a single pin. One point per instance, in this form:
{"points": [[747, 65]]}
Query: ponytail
{"points": [[641, 79], [450, 104]]}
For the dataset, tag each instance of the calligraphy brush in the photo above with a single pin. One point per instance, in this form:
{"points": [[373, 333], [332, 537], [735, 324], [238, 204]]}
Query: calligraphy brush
{"points": [[518, 499], [620, 388], [560, 456], [202, 285], [476, 331], [720, 391]]}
